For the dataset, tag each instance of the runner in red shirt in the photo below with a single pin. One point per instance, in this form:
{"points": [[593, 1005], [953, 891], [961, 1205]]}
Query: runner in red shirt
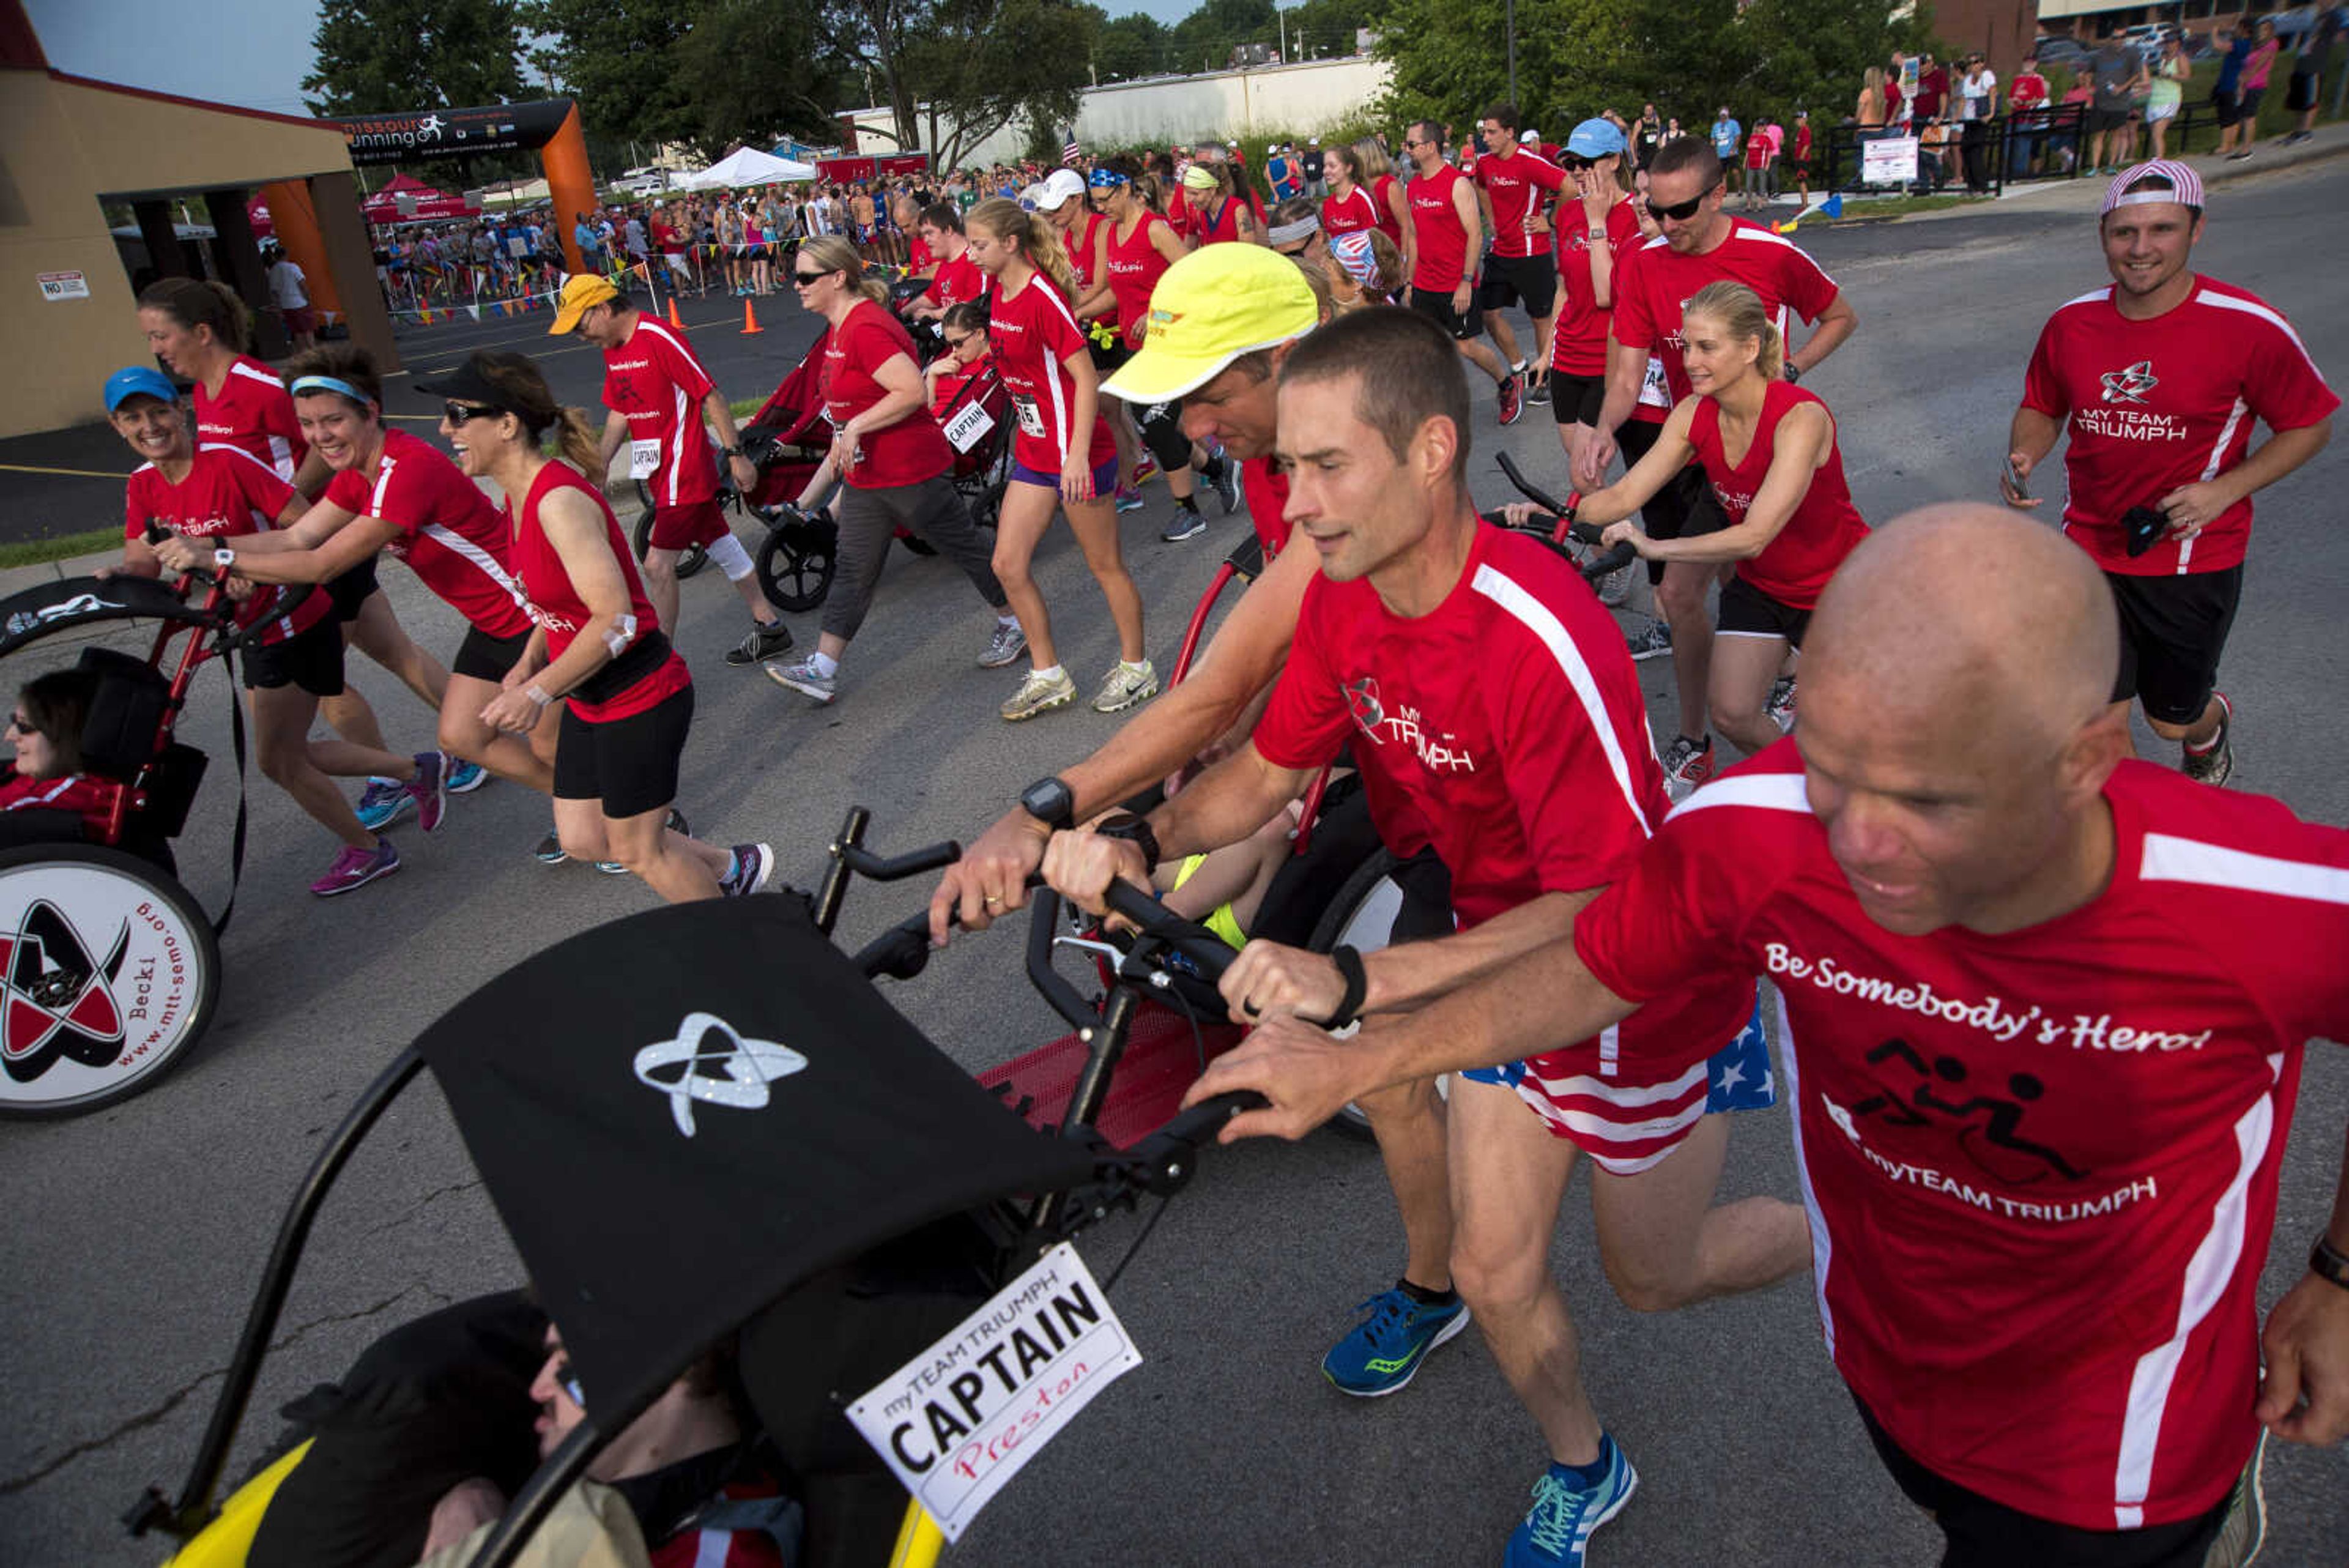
{"points": [[2042, 1012], [1218, 215], [1701, 245], [2158, 378], [1514, 184], [1595, 229], [1488, 702], [660, 398], [1769, 449], [598, 648], [1061, 452], [1447, 233], [1222, 363], [202, 498], [1386, 190], [1134, 247], [1351, 206], [957, 280], [893, 461], [200, 330]]}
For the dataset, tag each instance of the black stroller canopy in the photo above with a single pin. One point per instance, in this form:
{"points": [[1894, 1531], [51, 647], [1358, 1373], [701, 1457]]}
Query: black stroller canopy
{"points": [[683, 1115]]}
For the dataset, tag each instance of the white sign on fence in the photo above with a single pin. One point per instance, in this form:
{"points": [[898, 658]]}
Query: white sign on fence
{"points": [[1889, 161], [959, 1419], [57, 286]]}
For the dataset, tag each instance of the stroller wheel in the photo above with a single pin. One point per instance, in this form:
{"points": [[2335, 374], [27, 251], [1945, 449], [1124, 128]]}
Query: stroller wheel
{"points": [[690, 560], [987, 505], [795, 566]]}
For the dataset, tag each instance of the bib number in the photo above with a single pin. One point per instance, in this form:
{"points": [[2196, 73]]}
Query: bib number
{"points": [[644, 459], [1654, 391], [967, 428], [1032, 418]]}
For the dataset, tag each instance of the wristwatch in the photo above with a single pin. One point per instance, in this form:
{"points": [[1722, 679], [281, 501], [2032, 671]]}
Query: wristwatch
{"points": [[1136, 831], [223, 557], [2330, 1262], [1794, 372], [1051, 802], [729, 451]]}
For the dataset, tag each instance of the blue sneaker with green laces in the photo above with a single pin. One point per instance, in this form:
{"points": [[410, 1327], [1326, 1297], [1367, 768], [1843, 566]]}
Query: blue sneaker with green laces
{"points": [[1384, 1351], [1567, 1507]]}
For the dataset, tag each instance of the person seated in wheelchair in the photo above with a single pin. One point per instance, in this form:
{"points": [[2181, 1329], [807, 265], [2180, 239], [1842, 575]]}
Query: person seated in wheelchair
{"points": [[45, 791], [1224, 889], [681, 1486], [952, 372]]}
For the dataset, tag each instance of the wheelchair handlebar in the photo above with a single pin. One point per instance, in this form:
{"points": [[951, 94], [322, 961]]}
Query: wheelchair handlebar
{"points": [[1556, 522]]}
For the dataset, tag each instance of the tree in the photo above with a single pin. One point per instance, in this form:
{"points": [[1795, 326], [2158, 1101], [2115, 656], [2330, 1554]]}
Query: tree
{"points": [[1134, 45], [982, 64], [759, 73], [1204, 39], [379, 56], [618, 58]]}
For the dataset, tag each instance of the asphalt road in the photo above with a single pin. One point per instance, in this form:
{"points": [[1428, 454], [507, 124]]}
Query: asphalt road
{"points": [[133, 1235]]}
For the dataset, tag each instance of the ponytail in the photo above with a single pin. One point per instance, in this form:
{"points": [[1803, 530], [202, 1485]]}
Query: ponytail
{"points": [[1739, 311], [1039, 239], [196, 301], [577, 442]]}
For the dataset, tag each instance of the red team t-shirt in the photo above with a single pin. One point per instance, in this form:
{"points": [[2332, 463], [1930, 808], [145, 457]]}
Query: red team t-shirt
{"points": [[1578, 347], [1350, 213], [1443, 241], [558, 608], [957, 281], [450, 534], [1653, 282], [1509, 723], [2154, 405], [228, 491], [254, 413], [907, 452], [655, 382], [1518, 186], [1826, 527], [1031, 335], [2041, 1168], [1266, 485]]}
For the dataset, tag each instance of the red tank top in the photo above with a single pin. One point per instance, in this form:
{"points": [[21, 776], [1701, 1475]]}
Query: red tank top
{"points": [[1218, 223], [1796, 566], [1081, 244], [1136, 267], [649, 670], [1383, 198]]}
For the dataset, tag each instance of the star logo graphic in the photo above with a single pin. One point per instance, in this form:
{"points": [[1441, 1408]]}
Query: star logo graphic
{"points": [[709, 1062], [2131, 385], [55, 998], [1362, 702]]}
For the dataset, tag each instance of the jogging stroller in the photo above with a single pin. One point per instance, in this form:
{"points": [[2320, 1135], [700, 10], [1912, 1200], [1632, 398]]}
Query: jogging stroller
{"points": [[746, 1144], [787, 440]]}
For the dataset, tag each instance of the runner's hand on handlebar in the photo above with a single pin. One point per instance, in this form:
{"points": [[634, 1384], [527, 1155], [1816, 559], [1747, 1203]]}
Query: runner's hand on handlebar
{"points": [[1521, 514], [1626, 532], [991, 881], [1080, 865], [1268, 979], [1308, 1075]]}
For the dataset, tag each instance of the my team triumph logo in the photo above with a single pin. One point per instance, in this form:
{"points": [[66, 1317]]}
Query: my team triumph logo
{"points": [[2131, 385], [741, 1068], [1362, 702], [56, 999]]}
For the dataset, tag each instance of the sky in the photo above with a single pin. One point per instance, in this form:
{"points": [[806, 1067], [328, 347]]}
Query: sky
{"points": [[250, 53]]}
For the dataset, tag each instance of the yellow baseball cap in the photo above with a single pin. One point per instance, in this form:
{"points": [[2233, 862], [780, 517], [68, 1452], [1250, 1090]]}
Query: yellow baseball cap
{"points": [[579, 290], [1210, 308]]}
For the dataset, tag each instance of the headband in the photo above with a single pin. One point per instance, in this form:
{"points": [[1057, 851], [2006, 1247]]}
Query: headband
{"points": [[1305, 228], [1106, 179], [1354, 252], [330, 384]]}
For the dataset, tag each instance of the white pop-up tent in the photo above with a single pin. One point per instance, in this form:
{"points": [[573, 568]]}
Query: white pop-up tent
{"points": [[748, 166]]}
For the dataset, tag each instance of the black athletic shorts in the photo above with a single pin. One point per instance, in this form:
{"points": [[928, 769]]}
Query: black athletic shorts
{"points": [[1576, 399], [2173, 629], [350, 590], [2300, 92], [1747, 611], [1108, 358], [1986, 1534], [2228, 107], [486, 658], [629, 765], [1683, 508], [2250, 109], [1437, 308], [1530, 281], [312, 660]]}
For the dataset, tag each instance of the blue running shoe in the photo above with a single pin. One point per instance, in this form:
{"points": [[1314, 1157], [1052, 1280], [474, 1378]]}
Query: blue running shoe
{"points": [[1384, 1351], [381, 803], [1566, 1512], [463, 776]]}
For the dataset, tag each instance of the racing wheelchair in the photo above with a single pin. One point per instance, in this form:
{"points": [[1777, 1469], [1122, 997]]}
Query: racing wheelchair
{"points": [[110, 968]]}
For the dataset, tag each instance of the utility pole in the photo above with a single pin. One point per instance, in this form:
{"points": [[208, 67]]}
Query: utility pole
{"points": [[1511, 28], [1283, 15]]}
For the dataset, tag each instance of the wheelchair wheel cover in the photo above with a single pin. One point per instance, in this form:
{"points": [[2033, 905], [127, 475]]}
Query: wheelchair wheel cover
{"points": [[110, 974], [690, 560], [795, 577], [1362, 917]]}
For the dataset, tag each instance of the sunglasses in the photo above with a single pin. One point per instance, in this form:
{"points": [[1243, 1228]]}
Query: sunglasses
{"points": [[22, 725], [963, 341], [1573, 164], [568, 1381], [801, 279], [460, 413], [1680, 212]]}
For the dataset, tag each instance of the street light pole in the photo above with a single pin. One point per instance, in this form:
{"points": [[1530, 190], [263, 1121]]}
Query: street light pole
{"points": [[1511, 28]]}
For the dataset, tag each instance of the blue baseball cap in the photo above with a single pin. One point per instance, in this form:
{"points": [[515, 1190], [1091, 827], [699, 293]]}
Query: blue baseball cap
{"points": [[138, 381], [1595, 139]]}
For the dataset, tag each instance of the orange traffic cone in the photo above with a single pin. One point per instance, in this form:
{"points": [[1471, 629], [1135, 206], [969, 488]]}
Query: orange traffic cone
{"points": [[674, 319], [751, 327]]}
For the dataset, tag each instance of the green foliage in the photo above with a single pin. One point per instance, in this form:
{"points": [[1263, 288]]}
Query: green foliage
{"points": [[380, 57], [1204, 40], [618, 58], [759, 73], [979, 65], [1132, 47]]}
